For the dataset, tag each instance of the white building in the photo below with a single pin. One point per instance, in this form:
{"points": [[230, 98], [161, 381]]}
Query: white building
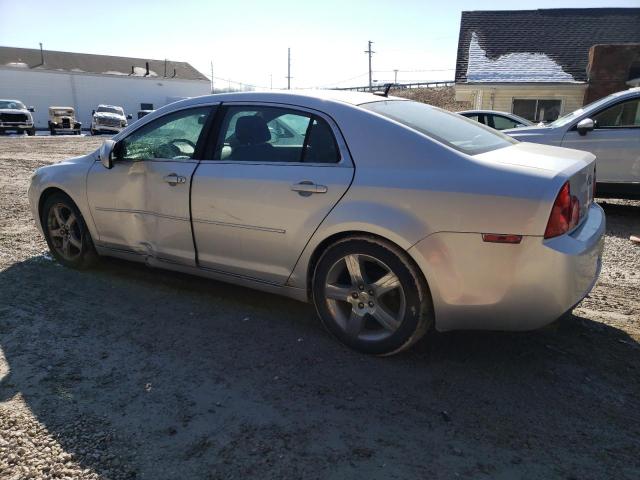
{"points": [[82, 81]]}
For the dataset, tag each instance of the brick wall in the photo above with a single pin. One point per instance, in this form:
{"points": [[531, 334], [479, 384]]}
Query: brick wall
{"points": [[608, 69]]}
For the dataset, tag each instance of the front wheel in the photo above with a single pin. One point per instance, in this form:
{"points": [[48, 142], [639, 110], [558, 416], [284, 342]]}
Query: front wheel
{"points": [[371, 296], [66, 232]]}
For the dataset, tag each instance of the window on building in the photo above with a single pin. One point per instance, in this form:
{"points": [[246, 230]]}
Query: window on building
{"points": [[537, 110]]}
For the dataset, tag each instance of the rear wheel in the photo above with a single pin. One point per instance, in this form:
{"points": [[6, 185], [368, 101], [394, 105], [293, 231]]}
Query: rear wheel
{"points": [[31, 132], [370, 296], [66, 232]]}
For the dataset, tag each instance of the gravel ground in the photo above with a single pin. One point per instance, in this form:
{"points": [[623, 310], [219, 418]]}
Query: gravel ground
{"points": [[126, 372]]}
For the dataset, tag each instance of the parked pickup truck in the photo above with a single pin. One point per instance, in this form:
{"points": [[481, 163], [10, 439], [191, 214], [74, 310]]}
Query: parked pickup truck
{"points": [[14, 116], [108, 119]]}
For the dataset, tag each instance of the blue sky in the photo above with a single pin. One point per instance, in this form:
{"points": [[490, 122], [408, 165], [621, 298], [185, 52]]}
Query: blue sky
{"points": [[247, 40]]}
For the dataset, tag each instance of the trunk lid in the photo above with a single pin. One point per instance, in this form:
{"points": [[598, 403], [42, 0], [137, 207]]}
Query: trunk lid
{"points": [[559, 164]]}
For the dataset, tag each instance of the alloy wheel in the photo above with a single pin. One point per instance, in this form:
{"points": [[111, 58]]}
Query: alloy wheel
{"points": [[65, 231], [365, 297]]}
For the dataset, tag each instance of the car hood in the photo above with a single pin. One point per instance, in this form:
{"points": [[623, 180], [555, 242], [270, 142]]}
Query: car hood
{"points": [[14, 110], [535, 156], [108, 115]]}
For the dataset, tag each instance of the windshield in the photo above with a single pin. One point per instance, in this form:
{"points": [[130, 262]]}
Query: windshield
{"points": [[13, 104], [453, 130], [116, 110], [576, 113]]}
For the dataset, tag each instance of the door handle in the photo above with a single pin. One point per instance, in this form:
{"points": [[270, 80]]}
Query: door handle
{"points": [[306, 188], [174, 179]]}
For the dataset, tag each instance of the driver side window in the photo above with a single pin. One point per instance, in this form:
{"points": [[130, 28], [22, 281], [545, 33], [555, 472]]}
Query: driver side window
{"points": [[623, 114], [173, 136]]}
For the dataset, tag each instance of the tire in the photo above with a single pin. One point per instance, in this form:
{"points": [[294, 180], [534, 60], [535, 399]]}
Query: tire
{"points": [[385, 312], [31, 132], [80, 253], [52, 131]]}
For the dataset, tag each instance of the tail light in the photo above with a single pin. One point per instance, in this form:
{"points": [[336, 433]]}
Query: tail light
{"points": [[565, 213]]}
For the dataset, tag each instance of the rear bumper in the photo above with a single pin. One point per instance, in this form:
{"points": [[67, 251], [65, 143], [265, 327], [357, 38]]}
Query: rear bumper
{"points": [[479, 285]]}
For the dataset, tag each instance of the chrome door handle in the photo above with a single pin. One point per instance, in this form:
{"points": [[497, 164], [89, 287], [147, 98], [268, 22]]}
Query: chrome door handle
{"points": [[174, 179], [306, 188]]}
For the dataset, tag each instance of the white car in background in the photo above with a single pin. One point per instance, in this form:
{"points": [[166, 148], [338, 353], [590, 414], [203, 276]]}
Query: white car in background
{"points": [[108, 119], [610, 129], [496, 119], [16, 117]]}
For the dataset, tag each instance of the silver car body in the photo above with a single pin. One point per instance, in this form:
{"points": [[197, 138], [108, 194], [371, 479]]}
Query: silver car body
{"points": [[244, 224], [617, 149]]}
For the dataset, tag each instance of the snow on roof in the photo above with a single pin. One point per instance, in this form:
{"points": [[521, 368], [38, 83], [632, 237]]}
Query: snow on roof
{"points": [[547, 41], [512, 67]]}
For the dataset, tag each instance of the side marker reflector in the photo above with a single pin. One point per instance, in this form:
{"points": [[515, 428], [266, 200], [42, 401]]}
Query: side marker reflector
{"points": [[501, 238]]}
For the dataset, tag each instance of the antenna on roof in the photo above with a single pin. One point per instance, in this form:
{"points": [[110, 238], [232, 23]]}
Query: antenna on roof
{"points": [[385, 92]]}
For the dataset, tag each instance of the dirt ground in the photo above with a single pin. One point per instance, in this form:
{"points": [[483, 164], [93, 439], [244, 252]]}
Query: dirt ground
{"points": [[127, 372]]}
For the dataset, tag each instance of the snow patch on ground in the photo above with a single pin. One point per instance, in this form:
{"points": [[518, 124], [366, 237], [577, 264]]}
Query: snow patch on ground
{"points": [[513, 67]]}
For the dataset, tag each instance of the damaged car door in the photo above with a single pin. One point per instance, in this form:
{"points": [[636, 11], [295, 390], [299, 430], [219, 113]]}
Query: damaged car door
{"points": [[141, 204]]}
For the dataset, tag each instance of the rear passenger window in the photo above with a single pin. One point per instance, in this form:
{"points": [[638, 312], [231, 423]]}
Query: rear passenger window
{"points": [[273, 134], [502, 123]]}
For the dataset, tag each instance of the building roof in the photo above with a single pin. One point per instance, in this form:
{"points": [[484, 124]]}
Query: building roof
{"points": [[29, 58], [538, 45]]}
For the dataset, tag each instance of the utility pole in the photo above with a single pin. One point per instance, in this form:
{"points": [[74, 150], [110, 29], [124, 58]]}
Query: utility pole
{"points": [[395, 76], [288, 68], [370, 52], [211, 76]]}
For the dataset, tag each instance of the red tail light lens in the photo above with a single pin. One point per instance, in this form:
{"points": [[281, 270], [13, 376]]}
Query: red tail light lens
{"points": [[565, 213]]}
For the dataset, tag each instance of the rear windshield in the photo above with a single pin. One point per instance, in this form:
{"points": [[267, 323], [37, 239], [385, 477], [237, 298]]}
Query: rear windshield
{"points": [[449, 128]]}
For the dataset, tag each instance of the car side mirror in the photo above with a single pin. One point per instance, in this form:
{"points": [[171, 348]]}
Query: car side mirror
{"points": [[106, 153], [585, 125], [129, 117], [31, 109]]}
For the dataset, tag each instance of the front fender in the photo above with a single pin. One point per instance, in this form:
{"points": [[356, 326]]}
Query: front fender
{"points": [[70, 177]]}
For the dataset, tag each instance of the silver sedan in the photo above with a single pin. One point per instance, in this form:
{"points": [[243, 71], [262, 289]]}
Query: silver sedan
{"points": [[391, 216]]}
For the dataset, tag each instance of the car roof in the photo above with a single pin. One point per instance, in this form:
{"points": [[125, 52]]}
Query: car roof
{"points": [[109, 106], [497, 112], [299, 97], [66, 108], [10, 100]]}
